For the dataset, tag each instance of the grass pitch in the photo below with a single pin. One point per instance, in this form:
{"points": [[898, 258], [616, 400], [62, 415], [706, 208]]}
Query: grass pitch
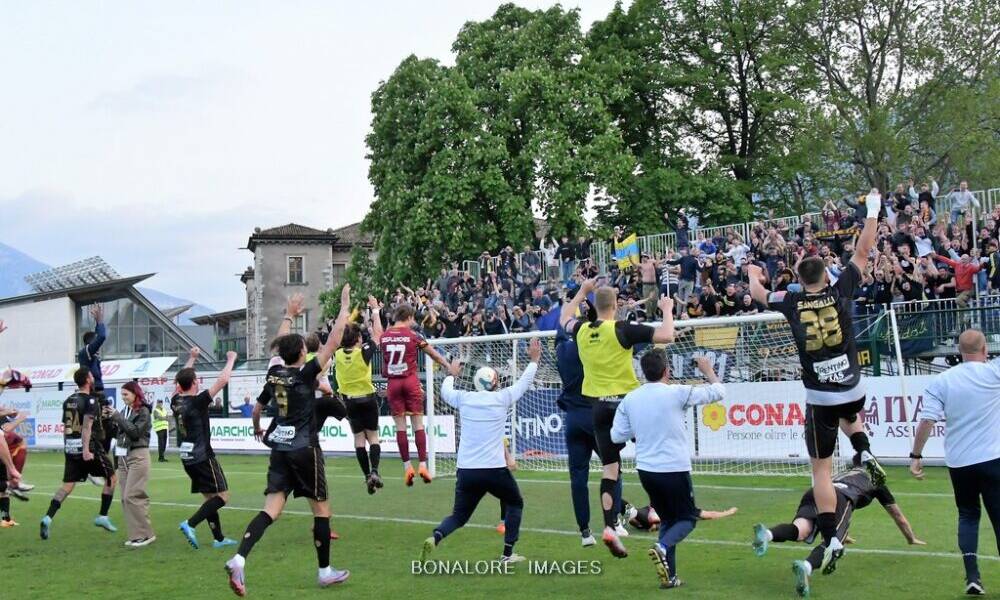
{"points": [[382, 534]]}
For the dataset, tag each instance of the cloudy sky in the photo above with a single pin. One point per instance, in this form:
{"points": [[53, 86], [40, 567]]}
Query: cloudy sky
{"points": [[159, 134]]}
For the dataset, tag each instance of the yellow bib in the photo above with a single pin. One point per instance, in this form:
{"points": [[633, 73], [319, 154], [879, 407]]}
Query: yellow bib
{"points": [[354, 375], [607, 365]]}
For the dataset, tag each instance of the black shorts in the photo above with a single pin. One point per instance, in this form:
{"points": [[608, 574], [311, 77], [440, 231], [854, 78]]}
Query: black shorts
{"points": [[76, 469], [3, 478], [301, 472], [671, 495], [604, 418], [362, 413], [207, 477], [823, 425], [807, 510]]}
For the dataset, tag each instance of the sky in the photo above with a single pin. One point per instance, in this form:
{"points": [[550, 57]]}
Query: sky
{"points": [[159, 134]]}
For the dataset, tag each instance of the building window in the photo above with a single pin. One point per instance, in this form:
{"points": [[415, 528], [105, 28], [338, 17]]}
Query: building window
{"points": [[300, 324], [296, 272], [338, 274]]}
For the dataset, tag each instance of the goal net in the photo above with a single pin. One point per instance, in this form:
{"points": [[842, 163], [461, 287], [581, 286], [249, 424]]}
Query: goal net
{"points": [[756, 430]]}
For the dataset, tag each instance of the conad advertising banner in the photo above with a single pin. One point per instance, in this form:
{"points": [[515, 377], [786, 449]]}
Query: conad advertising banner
{"points": [[765, 421]]}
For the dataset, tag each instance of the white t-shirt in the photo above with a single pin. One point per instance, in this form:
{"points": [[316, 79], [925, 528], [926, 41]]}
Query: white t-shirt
{"points": [[967, 398]]}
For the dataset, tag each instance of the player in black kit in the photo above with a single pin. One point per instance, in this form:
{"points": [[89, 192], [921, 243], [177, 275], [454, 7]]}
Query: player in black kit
{"points": [[855, 491], [197, 456], [296, 464], [820, 319], [84, 453]]}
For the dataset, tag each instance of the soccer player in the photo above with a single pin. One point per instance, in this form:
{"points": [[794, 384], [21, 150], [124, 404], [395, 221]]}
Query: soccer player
{"points": [[10, 477], [481, 467], [9, 420], [605, 349], [195, 435], [296, 463], [655, 416], [84, 455], [820, 319], [579, 433], [401, 346], [967, 398], [354, 382], [855, 491]]}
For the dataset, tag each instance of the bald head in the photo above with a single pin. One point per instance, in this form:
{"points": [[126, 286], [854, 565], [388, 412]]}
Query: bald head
{"points": [[972, 345]]}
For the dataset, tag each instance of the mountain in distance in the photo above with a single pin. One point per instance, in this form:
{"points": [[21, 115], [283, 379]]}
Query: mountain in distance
{"points": [[15, 265]]}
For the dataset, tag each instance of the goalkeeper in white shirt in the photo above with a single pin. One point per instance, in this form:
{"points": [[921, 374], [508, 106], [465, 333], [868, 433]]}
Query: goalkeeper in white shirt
{"points": [[482, 467], [654, 415]]}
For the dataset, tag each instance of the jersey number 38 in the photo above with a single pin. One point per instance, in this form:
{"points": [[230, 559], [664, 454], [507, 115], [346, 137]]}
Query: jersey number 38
{"points": [[822, 328]]}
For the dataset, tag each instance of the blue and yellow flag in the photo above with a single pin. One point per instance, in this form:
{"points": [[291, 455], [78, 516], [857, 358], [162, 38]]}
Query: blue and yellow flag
{"points": [[627, 252]]}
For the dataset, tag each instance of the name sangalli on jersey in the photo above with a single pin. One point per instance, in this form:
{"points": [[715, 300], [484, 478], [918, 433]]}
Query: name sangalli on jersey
{"points": [[818, 303]]}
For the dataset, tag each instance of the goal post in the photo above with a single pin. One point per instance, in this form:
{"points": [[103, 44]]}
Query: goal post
{"points": [[756, 430]]}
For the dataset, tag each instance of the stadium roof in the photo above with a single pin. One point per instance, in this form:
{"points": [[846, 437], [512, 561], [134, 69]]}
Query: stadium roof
{"points": [[227, 315]]}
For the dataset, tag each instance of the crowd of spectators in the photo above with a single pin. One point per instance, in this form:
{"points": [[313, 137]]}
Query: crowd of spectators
{"points": [[920, 254]]}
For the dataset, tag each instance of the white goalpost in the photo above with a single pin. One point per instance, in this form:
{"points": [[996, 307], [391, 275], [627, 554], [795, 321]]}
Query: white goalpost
{"points": [[757, 430]]}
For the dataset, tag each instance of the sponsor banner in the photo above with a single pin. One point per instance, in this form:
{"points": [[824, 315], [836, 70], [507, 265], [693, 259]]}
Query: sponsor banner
{"points": [[766, 421], [111, 370], [336, 436], [539, 426]]}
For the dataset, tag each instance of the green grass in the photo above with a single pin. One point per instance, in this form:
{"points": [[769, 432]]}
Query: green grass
{"points": [[380, 535]]}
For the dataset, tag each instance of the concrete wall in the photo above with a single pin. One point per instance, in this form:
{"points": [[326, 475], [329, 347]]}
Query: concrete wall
{"points": [[272, 288], [39, 333]]}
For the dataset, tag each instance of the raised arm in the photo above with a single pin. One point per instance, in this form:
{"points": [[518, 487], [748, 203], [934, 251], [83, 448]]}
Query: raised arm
{"points": [[376, 319], [294, 308], [706, 394], [448, 392], [664, 334], [866, 241], [3, 327], [904, 526], [224, 376], [101, 332], [337, 333], [513, 393], [757, 290], [193, 355], [569, 310]]}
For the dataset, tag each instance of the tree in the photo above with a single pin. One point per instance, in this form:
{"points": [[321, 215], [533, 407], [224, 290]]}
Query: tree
{"points": [[899, 74]]}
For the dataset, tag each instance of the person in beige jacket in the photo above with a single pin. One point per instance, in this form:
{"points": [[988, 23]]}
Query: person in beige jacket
{"points": [[134, 424]]}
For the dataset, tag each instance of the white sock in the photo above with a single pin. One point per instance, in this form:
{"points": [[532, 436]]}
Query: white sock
{"points": [[769, 536], [239, 560], [809, 567], [326, 571]]}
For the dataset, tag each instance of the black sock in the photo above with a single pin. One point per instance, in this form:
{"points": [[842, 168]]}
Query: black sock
{"points": [[608, 487], [786, 532], [321, 536], [508, 549], [5, 508], [363, 461], [827, 524], [106, 503], [255, 530], [216, 526], [375, 452], [207, 509], [438, 536], [54, 507], [860, 442]]}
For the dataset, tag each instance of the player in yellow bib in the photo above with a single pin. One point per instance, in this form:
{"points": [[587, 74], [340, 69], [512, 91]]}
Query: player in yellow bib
{"points": [[354, 383], [605, 348]]}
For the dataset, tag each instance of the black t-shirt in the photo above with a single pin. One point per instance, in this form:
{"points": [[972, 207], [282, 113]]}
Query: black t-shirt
{"points": [[709, 301], [857, 487], [730, 305], [75, 408], [292, 389], [452, 327], [824, 334], [194, 427]]}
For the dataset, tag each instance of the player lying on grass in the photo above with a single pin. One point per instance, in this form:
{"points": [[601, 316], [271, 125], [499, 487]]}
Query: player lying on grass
{"points": [[645, 518], [855, 491], [482, 468]]}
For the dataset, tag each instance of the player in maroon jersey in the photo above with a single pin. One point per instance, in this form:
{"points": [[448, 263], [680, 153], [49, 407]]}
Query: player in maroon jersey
{"points": [[401, 346]]}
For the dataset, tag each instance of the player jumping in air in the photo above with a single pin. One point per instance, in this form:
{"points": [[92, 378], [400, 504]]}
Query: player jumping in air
{"points": [[84, 453], [296, 463], [605, 348], [401, 346], [820, 319], [197, 456], [354, 382], [10, 477], [855, 491]]}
